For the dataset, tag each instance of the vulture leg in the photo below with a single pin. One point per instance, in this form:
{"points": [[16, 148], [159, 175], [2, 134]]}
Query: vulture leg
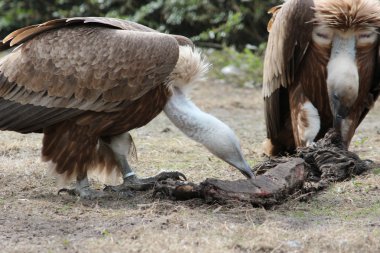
{"points": [[122, 145], [348, 127], [83, 190], [305, 118]]}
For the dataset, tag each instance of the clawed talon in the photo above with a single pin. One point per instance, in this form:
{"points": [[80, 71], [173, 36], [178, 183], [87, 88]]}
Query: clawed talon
{"points": [[71, 192], [127, 188], [368, 161], [175, 175], [312, 144], [133, 183], [165, 188], [167, 182], [162, 189], [176, 190]]}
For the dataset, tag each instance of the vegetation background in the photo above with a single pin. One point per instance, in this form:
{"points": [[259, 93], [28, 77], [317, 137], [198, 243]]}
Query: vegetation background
{"points": [[209, 23], [235, 28]]}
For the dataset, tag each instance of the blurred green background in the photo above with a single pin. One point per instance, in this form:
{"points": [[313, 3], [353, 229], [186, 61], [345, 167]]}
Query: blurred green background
{"points": [[236, 27]]}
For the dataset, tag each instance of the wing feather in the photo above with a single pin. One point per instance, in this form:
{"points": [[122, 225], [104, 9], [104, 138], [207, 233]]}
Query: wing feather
{"points": [[13, 34], [287, 43], [28, 118], [27, 33], [98, 64], [375, 88], [21, 35], [290, 33]]}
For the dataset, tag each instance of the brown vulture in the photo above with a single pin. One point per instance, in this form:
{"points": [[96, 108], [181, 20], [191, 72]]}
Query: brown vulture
{"points": [[321, 70], [85, 82]]}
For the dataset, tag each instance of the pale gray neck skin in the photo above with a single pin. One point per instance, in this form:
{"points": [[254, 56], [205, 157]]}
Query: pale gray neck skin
{"points": [[342, 80], [204, 128], [345, 46], [342, 71]]}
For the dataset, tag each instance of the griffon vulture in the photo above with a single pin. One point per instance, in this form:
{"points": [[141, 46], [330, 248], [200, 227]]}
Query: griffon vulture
{"points": [[85, 82], [321, 70]]}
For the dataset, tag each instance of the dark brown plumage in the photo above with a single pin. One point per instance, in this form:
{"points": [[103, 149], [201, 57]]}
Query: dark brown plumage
{"points": [[300, 76]]}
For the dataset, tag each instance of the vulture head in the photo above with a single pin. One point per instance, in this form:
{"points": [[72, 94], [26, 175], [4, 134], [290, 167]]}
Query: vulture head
{"points": [[321, 70], [349, 31]]}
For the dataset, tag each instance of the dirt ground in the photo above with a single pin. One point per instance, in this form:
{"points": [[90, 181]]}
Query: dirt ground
{"points": [[33, 218]]}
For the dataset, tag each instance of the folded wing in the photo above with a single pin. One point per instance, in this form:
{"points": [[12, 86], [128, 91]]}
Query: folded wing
{"points": [[69, 66]]}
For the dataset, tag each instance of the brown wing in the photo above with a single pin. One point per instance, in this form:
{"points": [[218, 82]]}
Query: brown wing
{"points": [[26, 33], [290, 33], [375, 89], [88, 67], [29, 32], [64, 67]]}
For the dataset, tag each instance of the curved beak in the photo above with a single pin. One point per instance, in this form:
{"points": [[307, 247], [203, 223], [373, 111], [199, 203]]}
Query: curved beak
{"points": [[246, 170], [340, 112]]}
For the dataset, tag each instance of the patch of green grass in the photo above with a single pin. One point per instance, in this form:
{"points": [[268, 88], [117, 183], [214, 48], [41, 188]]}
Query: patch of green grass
{"points": [[372, 210], [253, 162], [376, 171], [248, 66], [329, 211], [360, 141], [376, 232], [357, 184], [66, 243], [299, 214], [340, 207], [363, 186], [106, 233], [65, 208]]}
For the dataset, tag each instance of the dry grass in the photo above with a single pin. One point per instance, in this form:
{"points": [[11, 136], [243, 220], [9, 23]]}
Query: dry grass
{"points": [[345, 218]]}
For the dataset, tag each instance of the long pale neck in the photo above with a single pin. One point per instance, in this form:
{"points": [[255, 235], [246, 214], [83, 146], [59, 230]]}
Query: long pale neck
{"points": [[193, 122], [204, 128]]}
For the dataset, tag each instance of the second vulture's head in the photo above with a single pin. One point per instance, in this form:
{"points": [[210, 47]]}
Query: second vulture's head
{"points": [[347, 30]]}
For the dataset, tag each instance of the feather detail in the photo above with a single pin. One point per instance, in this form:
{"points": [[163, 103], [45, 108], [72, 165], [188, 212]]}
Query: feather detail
{"points": [[346, 14], [273, 11], [13, 34], [32, 31], [191, 68]]}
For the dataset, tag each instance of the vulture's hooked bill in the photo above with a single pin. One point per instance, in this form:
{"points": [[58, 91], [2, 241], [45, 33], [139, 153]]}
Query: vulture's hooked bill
{"points": [[321, 70], [85, 82]]}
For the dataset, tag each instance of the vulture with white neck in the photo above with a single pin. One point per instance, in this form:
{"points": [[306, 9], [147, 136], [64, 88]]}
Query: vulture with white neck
{"points": [[85, 82], [321, 70]]}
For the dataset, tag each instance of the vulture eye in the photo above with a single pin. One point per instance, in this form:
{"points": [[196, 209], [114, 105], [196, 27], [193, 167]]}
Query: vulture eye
{"points": [[322, 35], [366, 38], [364, 35]]}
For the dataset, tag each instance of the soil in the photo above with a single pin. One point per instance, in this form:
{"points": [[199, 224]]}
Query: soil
{"points": [[345, 217]]}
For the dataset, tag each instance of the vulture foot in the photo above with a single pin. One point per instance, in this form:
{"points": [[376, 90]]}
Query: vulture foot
{"points": [[312, 144], [368, 162], [136, 184], [84, 193], [177, 190]]}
